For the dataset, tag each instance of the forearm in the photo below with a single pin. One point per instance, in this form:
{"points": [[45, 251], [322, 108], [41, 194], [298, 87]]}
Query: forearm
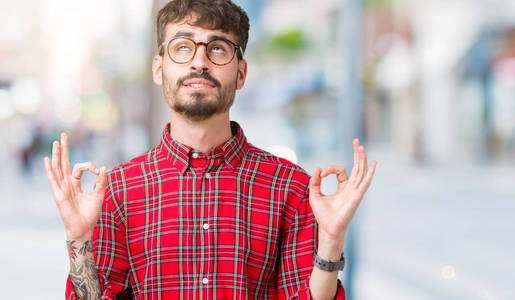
{"points": [[323, 284], [83, 271]]}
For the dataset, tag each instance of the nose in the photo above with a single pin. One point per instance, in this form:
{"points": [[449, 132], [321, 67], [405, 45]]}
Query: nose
{"points": [[200, 62]]}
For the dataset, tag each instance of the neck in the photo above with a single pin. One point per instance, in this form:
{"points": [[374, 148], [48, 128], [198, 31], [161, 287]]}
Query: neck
{"points": [[202, 135]]}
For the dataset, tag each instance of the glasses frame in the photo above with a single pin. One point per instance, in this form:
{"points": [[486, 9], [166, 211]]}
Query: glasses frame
{"points": [[237, 48]]}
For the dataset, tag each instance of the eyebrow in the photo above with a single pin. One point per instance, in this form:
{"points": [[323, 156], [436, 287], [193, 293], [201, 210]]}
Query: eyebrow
{"points": [[182, 33]]}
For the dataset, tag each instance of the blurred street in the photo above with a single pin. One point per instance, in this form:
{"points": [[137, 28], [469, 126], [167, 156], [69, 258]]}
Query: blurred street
{"points": [[427, 86], [435, 232]]}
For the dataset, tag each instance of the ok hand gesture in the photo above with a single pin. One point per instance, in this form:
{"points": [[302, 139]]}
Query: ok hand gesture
{"points": [[79, 210], [333, 213]]}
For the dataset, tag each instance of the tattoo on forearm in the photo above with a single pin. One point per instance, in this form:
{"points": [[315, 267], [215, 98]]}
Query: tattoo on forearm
{"points": [[71, 249], [83, 272]]}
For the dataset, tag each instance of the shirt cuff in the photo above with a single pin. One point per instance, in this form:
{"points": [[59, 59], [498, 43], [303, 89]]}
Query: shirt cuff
{"points": [[305, 294], [104, 285]]}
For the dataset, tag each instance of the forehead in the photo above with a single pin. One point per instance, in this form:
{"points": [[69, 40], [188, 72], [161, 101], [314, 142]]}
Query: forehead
{"points": [[195, 32]]}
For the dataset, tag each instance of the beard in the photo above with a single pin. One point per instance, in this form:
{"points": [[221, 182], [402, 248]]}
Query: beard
{"points": [[198, 106]]}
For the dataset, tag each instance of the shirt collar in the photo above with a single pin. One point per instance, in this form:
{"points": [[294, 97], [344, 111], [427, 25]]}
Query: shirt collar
{"points": [[179, 154]]}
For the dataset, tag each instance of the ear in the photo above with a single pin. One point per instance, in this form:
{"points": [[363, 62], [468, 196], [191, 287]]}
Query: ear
{"points": [[242, 73], [157, 69]]}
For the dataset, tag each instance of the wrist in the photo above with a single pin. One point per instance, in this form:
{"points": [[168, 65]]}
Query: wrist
{"points": [[330, 248], [80, 238], [80, 249]]}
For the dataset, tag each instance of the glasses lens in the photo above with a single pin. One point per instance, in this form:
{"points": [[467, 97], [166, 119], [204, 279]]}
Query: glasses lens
{"points": [[220, 51], [181, 50]]}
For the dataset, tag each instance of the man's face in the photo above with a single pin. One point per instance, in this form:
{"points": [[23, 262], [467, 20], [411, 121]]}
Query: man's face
{"points": [[198, 89]]}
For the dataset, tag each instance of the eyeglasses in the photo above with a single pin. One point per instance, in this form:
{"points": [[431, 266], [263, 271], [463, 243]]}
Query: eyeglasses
{"points": [[181, 50]]}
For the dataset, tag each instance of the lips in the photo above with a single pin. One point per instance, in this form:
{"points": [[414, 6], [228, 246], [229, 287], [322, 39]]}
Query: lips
{"points": [[198, 84]]}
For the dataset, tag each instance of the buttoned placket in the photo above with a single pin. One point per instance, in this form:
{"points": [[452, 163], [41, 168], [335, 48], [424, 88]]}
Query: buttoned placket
{"points": [[201, 164], [205, 226]]}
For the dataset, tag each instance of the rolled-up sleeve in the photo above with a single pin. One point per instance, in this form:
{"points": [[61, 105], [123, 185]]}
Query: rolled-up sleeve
{"points": [[296, 256], [109, 248]]}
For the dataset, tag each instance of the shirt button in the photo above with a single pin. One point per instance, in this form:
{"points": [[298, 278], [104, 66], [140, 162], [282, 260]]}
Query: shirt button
{"points": [[194, 155], [205, 226], [205, 280], [208, 175]]}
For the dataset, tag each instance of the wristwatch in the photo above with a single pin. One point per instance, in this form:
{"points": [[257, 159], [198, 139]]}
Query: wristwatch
{"points": [[330, 266]]}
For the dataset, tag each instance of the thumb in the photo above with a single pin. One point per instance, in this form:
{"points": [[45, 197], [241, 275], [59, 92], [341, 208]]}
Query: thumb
{"points": [[101, 182]]}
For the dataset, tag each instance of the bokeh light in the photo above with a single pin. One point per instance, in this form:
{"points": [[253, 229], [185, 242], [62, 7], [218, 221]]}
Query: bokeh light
{"points": [[448, 272], [7, 109], [284, 152], [26, 95], [99, 113]]}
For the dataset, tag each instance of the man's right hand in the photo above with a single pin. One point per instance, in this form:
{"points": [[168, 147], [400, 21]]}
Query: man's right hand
{"points": [[79, 210]]}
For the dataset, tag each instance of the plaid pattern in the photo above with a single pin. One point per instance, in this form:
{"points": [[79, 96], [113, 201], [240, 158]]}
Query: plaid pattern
{"points": [[233, 224]]}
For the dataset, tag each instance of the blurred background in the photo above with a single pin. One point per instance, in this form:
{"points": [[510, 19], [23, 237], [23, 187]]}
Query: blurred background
{"points": [[427, 86]]}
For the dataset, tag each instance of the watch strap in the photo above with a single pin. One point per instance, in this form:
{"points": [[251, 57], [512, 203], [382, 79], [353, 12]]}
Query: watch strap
{"points": [[330, 266]]}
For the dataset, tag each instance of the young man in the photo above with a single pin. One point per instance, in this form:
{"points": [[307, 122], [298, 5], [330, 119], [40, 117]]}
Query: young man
{"points": [[204, 214]]}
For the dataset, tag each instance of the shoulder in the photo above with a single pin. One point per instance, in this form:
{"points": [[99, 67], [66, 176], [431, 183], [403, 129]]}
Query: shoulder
{"points": [[126, 173], [127, 177], [286, 179], [278, 168], [267, 159]]}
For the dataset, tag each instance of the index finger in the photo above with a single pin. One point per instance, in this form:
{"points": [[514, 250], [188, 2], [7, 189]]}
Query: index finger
{"points": [[340, 172]]}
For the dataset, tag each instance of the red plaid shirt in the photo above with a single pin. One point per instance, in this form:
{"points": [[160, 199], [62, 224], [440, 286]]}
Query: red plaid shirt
{"points": [[233, 224]]}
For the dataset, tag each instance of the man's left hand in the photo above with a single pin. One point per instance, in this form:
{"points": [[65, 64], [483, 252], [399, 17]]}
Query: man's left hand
{"points": [[334, 212]]}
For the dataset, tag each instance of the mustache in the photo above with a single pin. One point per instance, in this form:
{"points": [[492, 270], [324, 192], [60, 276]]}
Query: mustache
{"points": [[205, 76]]}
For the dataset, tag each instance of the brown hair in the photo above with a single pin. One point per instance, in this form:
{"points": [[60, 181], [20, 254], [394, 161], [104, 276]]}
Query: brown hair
{"points": [[210, 14]]}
